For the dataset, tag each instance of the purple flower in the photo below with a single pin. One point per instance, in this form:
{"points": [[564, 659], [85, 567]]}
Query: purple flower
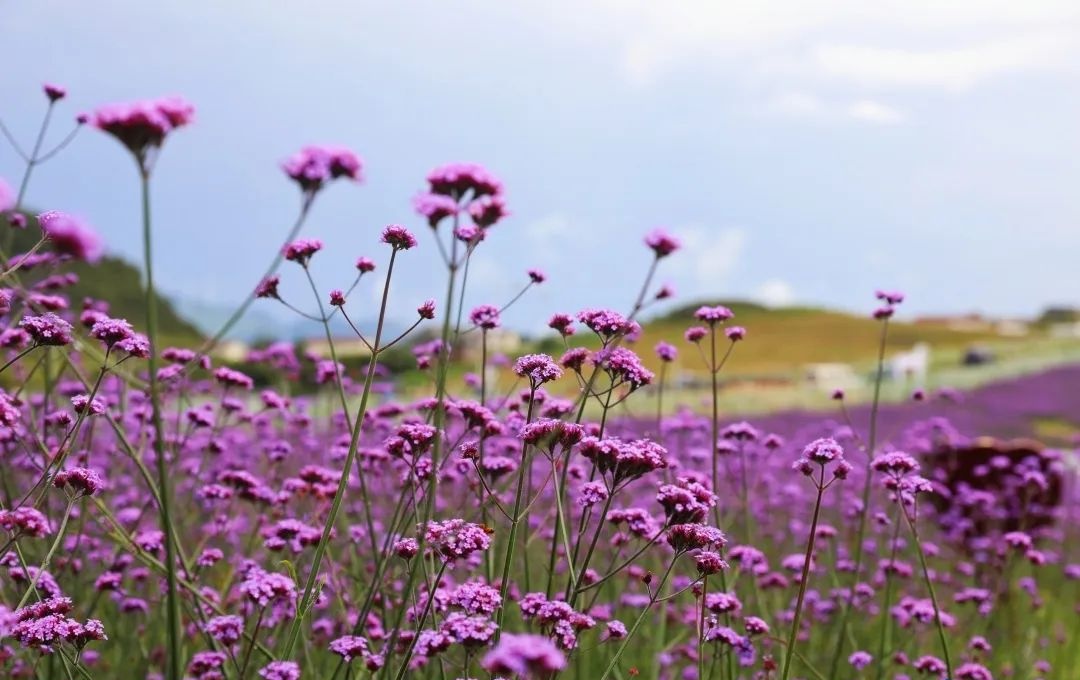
{"points": [[48, 329], [538, 368], [623, 366], [456, 538], [684, 537], [709, 562], [280, 670], [666, 352], [350, 647], [398, 237], [735, 333], [661, 243], [426, 310], [525, 655], [313, 166], [111, 331], [607, 323], [142, 126], [365, 265], [889, 297], [54, 92], [84, 481], [302, 250], [860, 660], [458, 179], [685, 501], [563, 323], [268, 287], [337, 298], [69, 236], [25, 521], [435, 207], [262, 587], [485, 316], [695, 334], [487, 210], [713, 315], [537, 276], [226, 629]]}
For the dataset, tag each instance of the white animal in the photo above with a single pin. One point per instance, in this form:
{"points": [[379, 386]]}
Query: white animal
{"points": [[911, 365]]}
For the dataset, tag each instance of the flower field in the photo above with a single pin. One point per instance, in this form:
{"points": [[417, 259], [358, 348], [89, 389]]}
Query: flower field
{"points": [[167, 515]]}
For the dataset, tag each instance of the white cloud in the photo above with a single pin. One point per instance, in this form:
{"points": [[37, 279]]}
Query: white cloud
{"points": [[799, 104], [804, 105], [708, 258], [775, 293], [548, 235], [952, 68], [874, 112]]}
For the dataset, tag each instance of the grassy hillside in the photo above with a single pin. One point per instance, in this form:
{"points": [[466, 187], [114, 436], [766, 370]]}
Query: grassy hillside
{"points": [[118, 282], [785, 339]]}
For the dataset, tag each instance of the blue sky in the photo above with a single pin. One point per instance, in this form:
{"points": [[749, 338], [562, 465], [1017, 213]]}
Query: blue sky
{"points": [[803, 156]]}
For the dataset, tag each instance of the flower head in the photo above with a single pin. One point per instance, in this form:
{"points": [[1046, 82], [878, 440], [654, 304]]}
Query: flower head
{"points": [[84, 481], [666, 352], [302, 250], [268, 287], [524, 655], [485, 316], [280, 670], [538, 368], [456, 538], [426, 310], [314, 166], [47, 329], [70, 236], [713, 315], [661, 243], [398, 237], [143, 126], [458, 179], [54, 92]]}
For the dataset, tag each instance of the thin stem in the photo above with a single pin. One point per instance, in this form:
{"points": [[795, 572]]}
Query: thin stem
{"points": [[516, 519], [174, 626], [343, 483], [933, 594], [48, 556], [305, 208], [794, 635], [637, 623], [420, 624], [861, 533]]}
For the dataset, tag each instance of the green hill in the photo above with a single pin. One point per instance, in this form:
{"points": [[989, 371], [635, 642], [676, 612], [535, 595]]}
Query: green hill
{"points": [[117, 282]]}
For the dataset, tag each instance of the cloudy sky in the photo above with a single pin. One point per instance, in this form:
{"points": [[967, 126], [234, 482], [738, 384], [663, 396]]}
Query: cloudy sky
{"points": [[803, 156]]}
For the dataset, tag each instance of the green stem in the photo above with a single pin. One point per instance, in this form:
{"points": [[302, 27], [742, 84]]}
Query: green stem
{"points": [[174, 625], [48, 556], [933, 595], [343, 483], [860, 535], [794, 635], [637, 623], [420, 625], [504, 587]]}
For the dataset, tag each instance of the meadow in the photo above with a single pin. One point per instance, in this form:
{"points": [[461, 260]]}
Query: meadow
{"points": [[548, 515]]}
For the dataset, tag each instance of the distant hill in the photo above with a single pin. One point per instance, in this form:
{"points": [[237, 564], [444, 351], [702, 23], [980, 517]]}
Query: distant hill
{"points": [[268, 320], [119, 283], [783, 339]]}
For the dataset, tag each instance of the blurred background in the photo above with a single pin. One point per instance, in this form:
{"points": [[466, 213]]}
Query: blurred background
{"points": [[804, 158]]}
